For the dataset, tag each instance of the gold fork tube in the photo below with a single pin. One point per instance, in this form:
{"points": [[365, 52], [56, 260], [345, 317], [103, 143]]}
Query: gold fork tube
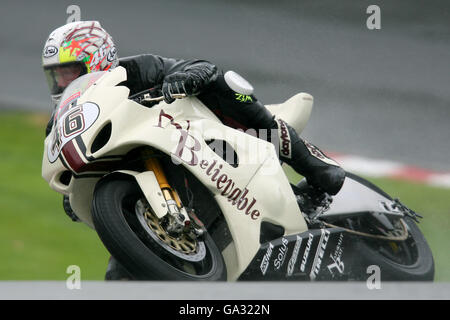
{"points": [[153, 164]]}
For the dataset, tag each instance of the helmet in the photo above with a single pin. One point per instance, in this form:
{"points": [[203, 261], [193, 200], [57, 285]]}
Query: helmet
{"points": [[76, 49]]}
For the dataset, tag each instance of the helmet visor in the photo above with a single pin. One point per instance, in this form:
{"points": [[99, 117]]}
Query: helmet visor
{"points": [[60, 76]]}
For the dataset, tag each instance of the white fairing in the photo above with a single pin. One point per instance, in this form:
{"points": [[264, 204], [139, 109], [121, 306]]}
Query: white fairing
{"points": [[295, 111], [258, 185]]}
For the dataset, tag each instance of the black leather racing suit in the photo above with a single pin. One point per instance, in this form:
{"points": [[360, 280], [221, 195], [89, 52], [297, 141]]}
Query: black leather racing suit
{"points": [[148, 71]]}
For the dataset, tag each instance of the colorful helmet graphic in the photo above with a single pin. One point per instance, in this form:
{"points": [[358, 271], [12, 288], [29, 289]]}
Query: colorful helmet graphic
{"points": [[75, 49]]}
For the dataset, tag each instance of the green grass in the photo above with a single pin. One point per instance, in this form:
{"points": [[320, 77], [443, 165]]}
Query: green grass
{"points": [[38, 241]]}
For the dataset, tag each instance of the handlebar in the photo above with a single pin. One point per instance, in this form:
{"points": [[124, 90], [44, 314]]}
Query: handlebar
{"points": [[148, 98]]}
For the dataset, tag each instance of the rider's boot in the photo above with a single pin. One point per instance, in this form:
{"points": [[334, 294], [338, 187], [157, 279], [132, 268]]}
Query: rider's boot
{"points": [[321, 172]]}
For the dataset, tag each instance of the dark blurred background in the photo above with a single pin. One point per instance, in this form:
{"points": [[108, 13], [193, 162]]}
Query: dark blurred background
{"points": [[378, 93]]}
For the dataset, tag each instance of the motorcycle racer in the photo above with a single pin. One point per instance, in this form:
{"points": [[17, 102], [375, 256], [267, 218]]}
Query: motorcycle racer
{"points": [[83, 47]]}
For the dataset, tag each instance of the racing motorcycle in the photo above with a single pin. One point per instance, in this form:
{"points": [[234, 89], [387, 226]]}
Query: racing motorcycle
{"points": [[176, 195]]}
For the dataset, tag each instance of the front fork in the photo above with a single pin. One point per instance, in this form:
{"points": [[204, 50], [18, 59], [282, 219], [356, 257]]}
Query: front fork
{"points": [[178, 220]]}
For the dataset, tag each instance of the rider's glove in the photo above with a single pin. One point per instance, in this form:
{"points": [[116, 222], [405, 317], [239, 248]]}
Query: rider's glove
{"points": [[178, 83], [189, 82]]}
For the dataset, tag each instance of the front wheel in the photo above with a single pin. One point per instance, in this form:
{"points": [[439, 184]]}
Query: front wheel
{"points": [[137, 240]]}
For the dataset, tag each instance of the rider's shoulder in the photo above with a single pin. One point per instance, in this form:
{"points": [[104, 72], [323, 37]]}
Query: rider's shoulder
{"points": [[139, 57], [148, 60]]}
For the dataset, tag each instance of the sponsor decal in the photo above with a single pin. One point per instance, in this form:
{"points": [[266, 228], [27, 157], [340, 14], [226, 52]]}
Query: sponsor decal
{"points": [[319, 253], [238, 196], [76, 120], [243, 97], [49, 51], [112, 54], [265, 261], [315, 152], [285, 139], [279, 260], [293, 260], [306, 254], [337, 264]]}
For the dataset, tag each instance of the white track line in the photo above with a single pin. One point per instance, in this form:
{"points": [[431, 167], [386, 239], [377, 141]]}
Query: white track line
{"points": [[390, 169]]}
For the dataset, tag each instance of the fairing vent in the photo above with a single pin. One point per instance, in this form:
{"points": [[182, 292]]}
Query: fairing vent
{"points": [[102, 138], [65, 177]]}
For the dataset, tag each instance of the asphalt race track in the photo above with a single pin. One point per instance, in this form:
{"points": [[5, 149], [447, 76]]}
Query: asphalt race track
{"points": [[94, 290], [378, 93]]}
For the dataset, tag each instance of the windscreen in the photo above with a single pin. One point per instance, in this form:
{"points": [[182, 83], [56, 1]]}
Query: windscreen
{"points": [[60, 76], [76, 89]]}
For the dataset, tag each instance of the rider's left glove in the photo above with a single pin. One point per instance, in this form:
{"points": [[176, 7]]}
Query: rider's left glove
{"points": [[179, 83], [190, 82]]}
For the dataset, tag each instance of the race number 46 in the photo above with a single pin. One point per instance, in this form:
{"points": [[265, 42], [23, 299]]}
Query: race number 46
{"points": [[71, 124], [74, 121]]}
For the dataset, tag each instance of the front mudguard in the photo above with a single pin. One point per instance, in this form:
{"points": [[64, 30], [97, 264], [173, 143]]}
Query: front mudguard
{"points": [[147, 183], [83, 192]]}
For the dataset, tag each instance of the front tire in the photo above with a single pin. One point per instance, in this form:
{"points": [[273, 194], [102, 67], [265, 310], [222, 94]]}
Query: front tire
{"points": [[120, 228]]}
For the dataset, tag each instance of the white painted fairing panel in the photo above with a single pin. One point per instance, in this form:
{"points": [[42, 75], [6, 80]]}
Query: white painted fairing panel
{"points": [[254, 191], [295, 111]]}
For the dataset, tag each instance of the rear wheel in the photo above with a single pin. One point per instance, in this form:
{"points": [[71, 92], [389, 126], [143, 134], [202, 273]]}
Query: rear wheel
{"points": [[407, 260], [132, 233]]}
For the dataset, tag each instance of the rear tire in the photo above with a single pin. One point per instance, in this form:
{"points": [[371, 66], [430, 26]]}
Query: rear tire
{"points": [[415, 263], [119, 228]]}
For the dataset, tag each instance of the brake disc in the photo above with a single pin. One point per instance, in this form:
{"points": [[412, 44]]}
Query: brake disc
{"points": [[183, 243]]}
